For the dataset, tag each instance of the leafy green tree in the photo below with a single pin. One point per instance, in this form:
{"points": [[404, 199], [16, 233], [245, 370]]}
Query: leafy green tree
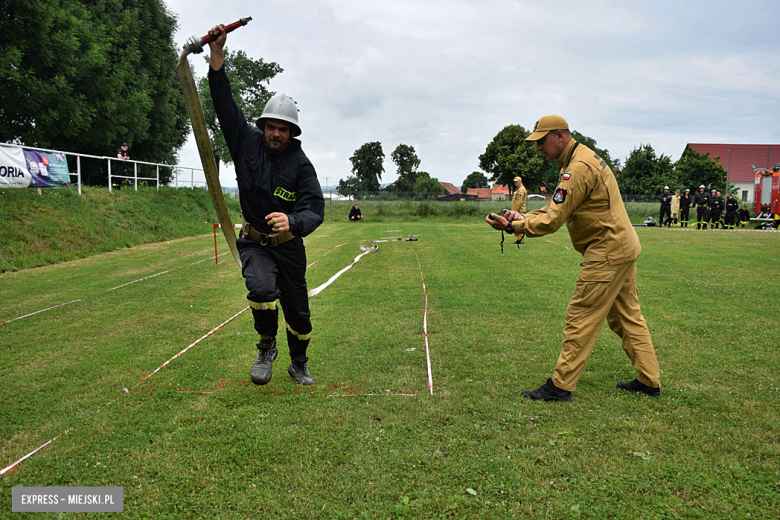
{"points": [[551, 170], [427, 186], [475, 180], [694, 169], [645, 173], [84, 76], [509, 155], [407, 162], [248, 80], [367, 169]]}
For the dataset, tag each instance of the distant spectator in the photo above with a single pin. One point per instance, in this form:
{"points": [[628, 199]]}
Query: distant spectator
{"points": [[743, 217], [701, 201], [685, 207], [675, 207], [518, 201], [731, 211], [355, 214], [119, 166], [666, 206]]}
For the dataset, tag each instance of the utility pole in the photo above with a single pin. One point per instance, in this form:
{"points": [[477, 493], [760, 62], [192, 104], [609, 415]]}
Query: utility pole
{"points": [[329, 196]]}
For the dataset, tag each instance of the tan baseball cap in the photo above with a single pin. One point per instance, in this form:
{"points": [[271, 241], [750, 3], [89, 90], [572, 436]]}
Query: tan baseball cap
{"points": [[545, 125], [517, 179]]}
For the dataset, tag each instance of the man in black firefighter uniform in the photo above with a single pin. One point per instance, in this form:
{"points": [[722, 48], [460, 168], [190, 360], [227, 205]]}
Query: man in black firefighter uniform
{"points": [[666, 207], [685, 207], [281, 202], [701, 201], [714, 208], [731, 211], [743, 216]]}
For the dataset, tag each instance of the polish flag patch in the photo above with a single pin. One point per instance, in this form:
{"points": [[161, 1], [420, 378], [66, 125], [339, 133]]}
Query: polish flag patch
{"points": [[566, 176]]}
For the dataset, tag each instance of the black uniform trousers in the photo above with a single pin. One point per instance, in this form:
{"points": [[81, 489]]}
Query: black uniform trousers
{"points": [[684, 217], [273, 273], [701, 214], [668, 211], [731, 217]]}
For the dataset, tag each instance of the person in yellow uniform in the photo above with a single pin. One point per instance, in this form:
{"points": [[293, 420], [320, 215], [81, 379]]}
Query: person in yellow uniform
{"points": [[518, 200], [587, 200]]}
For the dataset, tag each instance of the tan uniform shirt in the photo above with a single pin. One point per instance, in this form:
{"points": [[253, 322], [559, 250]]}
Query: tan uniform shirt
{"points": [[675, 205], [518, 200], [588, 200]]}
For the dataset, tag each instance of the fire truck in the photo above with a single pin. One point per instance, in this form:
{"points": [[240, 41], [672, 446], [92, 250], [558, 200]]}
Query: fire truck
{"points": [[766, 195]]}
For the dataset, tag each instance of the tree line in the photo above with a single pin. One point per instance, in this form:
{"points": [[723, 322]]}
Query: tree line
{"points": [[368, 167], [509, 155]]}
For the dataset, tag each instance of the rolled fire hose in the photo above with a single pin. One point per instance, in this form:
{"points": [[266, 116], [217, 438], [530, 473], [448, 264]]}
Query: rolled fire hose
{"points": [[195, 45]]}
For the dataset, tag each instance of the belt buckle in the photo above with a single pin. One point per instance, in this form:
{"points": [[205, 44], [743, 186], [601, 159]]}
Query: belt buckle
{"points": [[266, 237]]}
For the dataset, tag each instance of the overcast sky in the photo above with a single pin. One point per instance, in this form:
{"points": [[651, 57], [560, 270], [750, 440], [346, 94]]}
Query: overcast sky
{"points": [[446, 76]]}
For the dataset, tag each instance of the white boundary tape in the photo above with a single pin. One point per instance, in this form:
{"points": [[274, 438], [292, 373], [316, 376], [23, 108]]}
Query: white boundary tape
{"points": [[39, 448], [108, 290], [212, 331], [425, 326], [42, 310]]}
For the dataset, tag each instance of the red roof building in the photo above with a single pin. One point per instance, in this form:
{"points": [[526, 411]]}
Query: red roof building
{"points": [[499, 192], [482, 193], [739, 159], [450, 189]]}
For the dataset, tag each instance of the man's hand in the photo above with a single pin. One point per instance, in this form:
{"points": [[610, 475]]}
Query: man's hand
{"points": [[513, 215], [496, 221], [499, 223], [278, 222], [217, 58]]}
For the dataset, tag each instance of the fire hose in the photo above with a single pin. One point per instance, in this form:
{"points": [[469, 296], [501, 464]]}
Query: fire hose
{"points": [[195, 45]]}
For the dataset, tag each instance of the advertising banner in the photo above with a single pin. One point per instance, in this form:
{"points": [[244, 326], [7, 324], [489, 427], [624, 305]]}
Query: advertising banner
{"points": [[21, 168], [13, 168]]}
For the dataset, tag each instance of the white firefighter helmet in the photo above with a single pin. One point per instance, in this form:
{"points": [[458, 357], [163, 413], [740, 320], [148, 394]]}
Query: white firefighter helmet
{"points": [[283, 108]]}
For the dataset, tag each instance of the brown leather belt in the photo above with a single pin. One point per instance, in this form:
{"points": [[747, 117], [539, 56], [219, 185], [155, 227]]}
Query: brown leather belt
{"points": [[265, 239]]}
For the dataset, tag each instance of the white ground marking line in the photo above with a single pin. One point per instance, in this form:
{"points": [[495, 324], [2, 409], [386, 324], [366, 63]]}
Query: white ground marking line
{"points": [[425, 326]]}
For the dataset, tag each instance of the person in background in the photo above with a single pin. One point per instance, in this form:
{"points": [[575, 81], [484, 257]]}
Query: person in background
{"points": [[685, 207], [355, 214], [701, 201], [518, 200], [119, 166], [731, 211], [675, 207], [743, 217], [666, 206]]}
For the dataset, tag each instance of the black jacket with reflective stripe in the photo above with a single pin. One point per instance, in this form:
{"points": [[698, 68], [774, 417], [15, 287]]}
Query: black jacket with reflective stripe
{"points": [[267, 183]]}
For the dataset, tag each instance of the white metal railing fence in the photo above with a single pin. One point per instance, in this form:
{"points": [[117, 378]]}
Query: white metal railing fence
{"points": [[175, 167]]}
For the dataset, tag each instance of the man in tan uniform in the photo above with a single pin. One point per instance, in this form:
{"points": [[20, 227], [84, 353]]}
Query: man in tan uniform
{"points": [[518, 200], [588, 201]]}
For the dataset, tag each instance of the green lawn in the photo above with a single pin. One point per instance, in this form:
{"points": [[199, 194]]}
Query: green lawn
{"points": [[196, 439]]}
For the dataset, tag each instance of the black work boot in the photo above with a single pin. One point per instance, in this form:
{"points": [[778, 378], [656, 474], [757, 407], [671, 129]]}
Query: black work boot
{"points": [[637, 386], [548, 392], [262, 370], [300, 373]]}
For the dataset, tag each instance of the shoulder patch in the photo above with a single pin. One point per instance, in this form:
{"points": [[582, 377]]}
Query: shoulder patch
{"points": [[560, 196], [566, 176]]}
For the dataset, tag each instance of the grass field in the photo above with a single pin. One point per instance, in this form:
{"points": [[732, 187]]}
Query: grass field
{"points": [[196, 439]]}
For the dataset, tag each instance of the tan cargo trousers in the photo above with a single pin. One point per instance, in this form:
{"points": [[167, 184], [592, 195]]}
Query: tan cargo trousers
{"points": [[605, 292]]}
